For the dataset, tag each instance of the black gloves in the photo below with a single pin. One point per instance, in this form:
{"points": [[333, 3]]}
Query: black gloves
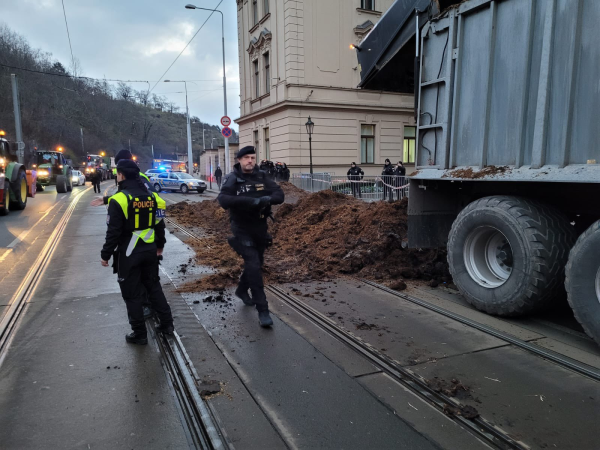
{"points": [[264, 202]]}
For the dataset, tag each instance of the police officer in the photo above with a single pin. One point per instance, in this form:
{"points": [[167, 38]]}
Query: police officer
{"points": [[135, 238], [388, 180], [248, 194], [354, 174]]}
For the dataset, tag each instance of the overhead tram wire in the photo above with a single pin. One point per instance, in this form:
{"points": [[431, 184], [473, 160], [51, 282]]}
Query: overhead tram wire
{"points": [[186, 46], [68, 35]]}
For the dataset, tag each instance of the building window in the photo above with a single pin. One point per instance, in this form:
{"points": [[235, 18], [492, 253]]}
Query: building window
{"points": [[256, 80], [267, 146], [266, 7], [368, 4], [256, 143], [408, 156], [254, 12], [367, 144], [267, 73]]}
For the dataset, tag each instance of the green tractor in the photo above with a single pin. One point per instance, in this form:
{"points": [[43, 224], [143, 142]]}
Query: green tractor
{"points": [[54, 169], [16, 183]]}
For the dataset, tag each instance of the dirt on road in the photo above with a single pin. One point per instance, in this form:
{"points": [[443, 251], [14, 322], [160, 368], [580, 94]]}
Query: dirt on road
{"points": [[316, 236]]}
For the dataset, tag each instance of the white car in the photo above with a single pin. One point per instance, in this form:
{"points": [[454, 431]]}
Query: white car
{"points": [[78, 178], [154, 172], [177, 181]]}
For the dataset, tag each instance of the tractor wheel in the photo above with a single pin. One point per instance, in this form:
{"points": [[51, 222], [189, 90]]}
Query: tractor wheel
{"points": [[70, 183], [61, 184], [507, 255], [4, 206], [19, 189]]}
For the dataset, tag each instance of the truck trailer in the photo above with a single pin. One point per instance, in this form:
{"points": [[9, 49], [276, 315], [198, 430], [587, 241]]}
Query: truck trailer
{"points": [[507, 163]]}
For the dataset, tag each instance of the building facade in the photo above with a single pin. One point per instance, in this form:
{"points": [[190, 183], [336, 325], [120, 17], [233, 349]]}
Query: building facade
{"points": [[295, 61], [213, 158]]}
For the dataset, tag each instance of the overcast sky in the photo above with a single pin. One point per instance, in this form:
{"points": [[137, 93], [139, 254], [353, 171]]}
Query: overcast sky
{"points": [[138, 40]]}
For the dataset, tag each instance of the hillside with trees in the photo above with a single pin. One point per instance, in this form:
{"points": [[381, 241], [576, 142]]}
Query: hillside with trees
{"points": [[57, 103]]}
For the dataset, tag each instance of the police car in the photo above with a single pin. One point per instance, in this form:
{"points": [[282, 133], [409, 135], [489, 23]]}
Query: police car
{"points": [[177, 181]]}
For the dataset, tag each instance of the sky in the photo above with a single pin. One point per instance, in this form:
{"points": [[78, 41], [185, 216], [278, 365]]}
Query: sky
{"points": [[138, 40]]}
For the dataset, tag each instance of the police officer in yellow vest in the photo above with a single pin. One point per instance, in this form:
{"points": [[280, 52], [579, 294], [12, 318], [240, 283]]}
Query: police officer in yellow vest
{"points": [[135, 238], [114, 171]]}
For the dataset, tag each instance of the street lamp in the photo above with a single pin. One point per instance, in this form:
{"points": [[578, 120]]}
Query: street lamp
{"points": [[189, 6], [309, 129], [189, 128]]}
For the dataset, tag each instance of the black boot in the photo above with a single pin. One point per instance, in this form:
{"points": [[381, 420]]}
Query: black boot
{"points": [[166, 329], [133, 338], [243, 295], [264, 319]]}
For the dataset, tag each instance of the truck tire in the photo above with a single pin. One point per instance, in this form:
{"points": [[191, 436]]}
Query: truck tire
{"points": [[583, 281], [61, 184], [507, 255], [19, 189]]}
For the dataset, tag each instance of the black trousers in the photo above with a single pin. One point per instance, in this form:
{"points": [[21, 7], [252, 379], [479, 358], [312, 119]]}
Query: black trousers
{"points": [[96, 186], [400, 182], [356, 189], [387, 191], [252, 250], [138, 278], [219, 181]]}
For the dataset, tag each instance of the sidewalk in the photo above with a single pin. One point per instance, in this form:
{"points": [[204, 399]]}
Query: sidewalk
{"points": [[69, 380]]}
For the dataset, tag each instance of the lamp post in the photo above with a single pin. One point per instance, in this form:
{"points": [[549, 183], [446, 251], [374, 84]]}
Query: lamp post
{"points": [[309, 129], [189, 6], [189, 129]]}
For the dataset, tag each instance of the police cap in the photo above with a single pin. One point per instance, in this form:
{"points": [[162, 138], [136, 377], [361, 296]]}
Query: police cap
{"points": [[248, 150], [123, 154]]}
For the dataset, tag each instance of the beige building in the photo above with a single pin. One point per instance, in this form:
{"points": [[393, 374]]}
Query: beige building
{"points": [[216, 157], [296, 62]]}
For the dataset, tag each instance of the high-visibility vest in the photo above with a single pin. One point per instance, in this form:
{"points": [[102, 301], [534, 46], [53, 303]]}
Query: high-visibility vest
{"points": [[142, 214], [115, 171], [143, 175]]}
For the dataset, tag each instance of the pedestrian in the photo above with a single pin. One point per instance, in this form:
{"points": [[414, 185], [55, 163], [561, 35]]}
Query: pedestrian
{"points": [[286, 173], [388, 180], [248, 194], [218, 176], [135, 238], [114, 172], [96, 177], [355, 174], [400, 172], [264, 166]]}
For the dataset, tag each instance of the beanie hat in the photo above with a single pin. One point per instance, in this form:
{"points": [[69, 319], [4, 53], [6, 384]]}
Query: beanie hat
{"points": [[127, 165], [248, 150], [123, 154]]}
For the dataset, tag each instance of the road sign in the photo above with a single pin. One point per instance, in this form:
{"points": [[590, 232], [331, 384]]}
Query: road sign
{"points": [[227, 132], [225, 121]]}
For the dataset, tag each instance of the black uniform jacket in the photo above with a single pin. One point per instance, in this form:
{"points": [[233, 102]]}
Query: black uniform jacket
{"points": [[355, 173], [117, 237], [238, 193]]}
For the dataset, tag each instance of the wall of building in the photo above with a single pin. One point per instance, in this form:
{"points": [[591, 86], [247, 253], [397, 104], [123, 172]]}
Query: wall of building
{"points": [[314, 72]]}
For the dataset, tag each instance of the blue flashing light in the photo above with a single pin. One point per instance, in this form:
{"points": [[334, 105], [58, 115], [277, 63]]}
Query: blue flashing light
{"points": [[162, 168]]}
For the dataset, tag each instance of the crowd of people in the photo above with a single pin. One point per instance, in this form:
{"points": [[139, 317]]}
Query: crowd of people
{"points": [[275, 171], [392, 178]]}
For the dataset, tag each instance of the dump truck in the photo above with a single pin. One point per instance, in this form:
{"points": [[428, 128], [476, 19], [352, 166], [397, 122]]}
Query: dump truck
{"points": [[16, 183], [507, 163], [53, 169]]}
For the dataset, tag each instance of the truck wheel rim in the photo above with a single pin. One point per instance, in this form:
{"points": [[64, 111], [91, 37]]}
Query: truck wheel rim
{"points": [[488, 257], [23, 190], [598, 285]]}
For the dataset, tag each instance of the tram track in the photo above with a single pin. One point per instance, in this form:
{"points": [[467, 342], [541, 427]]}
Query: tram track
{"points": [[27, 288], [481, 427], [550, 355]]}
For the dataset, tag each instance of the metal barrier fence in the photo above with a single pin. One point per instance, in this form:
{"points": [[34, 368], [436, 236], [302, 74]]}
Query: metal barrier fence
{"points": [[369, 188]]}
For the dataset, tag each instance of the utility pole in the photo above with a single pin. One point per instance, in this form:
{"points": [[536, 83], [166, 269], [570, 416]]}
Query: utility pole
{"points": [[82, 147], [18, 129]]}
